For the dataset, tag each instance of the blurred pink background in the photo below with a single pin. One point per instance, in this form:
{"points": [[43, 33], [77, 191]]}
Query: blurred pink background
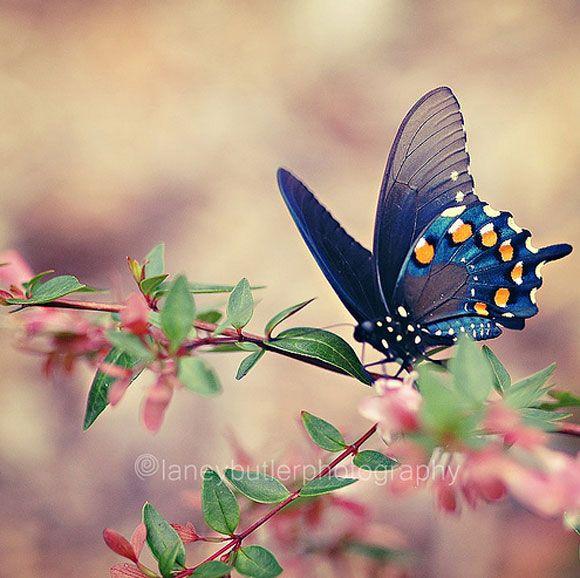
{"points": [[125, 123]]}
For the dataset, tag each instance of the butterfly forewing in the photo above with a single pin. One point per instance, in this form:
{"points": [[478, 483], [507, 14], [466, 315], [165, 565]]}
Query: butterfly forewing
{"points": [[427, 171], [346, 264]]}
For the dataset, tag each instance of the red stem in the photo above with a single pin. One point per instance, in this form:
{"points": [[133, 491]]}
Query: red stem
{"points": [[236, 540]]}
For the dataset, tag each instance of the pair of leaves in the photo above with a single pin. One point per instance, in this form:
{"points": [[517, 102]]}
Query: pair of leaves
{"points": [[222, 513]]}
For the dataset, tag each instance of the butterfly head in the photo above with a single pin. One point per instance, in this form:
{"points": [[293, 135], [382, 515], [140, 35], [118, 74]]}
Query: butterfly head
{"points": [[395, 335]]}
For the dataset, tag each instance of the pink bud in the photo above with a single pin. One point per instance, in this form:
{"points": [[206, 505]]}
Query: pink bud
{"points": [[117, 390], [187, 533], [134, 316], [156, 403], [138, 539], [119, 544]]}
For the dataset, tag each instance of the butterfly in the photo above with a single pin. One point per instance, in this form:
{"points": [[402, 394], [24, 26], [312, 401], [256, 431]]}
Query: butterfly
{"points": [[443, 262]]}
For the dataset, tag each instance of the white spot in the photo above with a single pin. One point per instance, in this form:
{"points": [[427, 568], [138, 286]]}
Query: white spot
{"points": [[530, 247], [425, 330], [438, 332], [487, 228], [454, 175], [390, 329], [410, 328], [490, 211], [475, 278], [456, 225], [379, 324], [451, 331], [401, 311], [385, 343], [473, 292], [388, 319], [460, 196], [474, 333], [519, 280], [399, 338], [513, 226], [472, 326], [539, 267], [462, 329], [417, 339], [508, 314], [463, 260], [453, 211], [533, 295]]}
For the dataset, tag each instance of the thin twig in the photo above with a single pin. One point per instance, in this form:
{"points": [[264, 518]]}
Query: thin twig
{"points": [[236, 540]]}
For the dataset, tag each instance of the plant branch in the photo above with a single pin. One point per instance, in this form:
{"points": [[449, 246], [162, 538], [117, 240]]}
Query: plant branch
{"points": [[237, 336], [236, 540]]}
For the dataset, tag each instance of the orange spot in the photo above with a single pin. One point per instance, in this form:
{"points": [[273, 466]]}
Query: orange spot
{"points": [[501, 297], [489, 238], [517, 273], [461, 233], [481, 308], [424, 252], [506, 251]]}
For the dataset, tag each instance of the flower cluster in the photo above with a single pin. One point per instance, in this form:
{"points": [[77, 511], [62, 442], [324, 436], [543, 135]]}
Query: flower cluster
{"points": [[477, 453]]}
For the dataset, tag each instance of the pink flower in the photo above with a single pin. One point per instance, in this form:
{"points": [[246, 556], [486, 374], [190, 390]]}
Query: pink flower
{"points": [[396, 408], [545, 481], [134, 317], [157, 400], [14, 270]]}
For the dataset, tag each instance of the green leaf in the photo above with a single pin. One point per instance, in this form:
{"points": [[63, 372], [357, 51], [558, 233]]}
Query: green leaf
{"points": [[501, 378], [325, 485], [151, 284], [178, 313], [167, 561], [198, 376], [471, 371], [257, 486], [31, 284], [249, 362], [161, 537], [374, 461], [221, 511], [130, 344], [214, 288], [50, 290], [325, 348], [443, 408], [98, 400], [155, 261], [209, 316], [563, 399], [213, 569], [542, 419], [283, 315], [528, 391], [322, 433], [257, 562], [240, 305]]}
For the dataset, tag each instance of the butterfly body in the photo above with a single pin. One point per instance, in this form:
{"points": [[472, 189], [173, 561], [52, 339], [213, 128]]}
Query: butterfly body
{"points": [[443, 261]]}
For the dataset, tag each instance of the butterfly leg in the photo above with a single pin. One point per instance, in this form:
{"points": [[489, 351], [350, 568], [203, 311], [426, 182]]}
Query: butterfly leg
{"points": [[381, 362]]}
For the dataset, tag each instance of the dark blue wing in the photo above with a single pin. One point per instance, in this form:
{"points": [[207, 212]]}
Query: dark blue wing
{"points": [[345, 263], [427, 171], [471, 270]]}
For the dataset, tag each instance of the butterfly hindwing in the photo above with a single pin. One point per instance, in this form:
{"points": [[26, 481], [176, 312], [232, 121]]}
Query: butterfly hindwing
{"points": [[427, 171], [471, 270], [346, 264]]}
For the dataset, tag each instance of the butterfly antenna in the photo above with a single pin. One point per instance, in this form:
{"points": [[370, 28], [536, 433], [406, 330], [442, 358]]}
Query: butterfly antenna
{"points": [[339, 325]]}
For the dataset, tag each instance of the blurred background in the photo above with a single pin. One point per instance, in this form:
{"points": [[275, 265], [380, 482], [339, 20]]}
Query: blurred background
{"points": [[127, 122]]}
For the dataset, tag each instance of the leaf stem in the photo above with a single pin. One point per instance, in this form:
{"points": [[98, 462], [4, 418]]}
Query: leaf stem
{"points": [[235, 541]]}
